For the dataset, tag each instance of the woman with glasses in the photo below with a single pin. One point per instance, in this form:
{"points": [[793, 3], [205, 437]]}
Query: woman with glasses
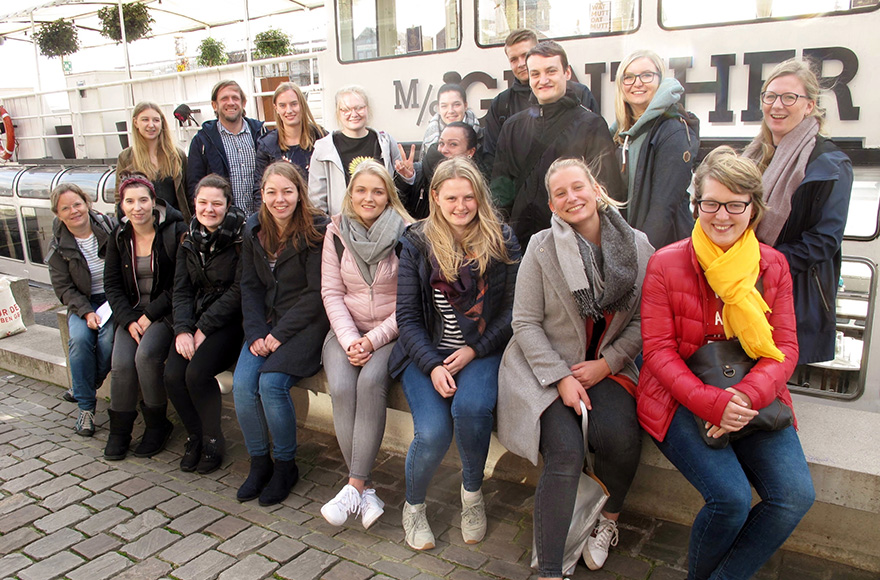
{"points": [[337, 154], [807, 185], [722, 284], [658, 141]]}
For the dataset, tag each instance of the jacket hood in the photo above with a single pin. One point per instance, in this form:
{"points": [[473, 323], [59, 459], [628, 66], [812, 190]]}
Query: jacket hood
{"points": [[669, 93]]}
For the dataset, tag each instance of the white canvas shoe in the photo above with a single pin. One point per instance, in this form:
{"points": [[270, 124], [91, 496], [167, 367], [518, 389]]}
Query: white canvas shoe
{"points": [[603, 537], [371, 507], [346, 503]]}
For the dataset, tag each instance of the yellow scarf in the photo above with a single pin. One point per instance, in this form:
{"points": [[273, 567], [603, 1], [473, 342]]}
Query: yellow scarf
{"points": [[732, 275]]}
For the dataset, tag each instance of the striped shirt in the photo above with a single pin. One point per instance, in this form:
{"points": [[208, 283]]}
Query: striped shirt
{"points": [[240, 151], [89, 249], [452, 338]]}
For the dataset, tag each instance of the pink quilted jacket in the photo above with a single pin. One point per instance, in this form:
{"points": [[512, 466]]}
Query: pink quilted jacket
{"points": [[354, 308], [676, 302]]}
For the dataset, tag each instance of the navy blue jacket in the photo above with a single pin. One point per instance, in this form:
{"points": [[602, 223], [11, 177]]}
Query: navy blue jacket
{"points": [[417, 320], [285, 301], [207, 155], [269, 151], [811, 242]]}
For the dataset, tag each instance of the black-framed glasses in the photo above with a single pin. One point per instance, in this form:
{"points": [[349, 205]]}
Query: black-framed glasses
{"points": [[646, 77], [788, 99], [731, 207]]}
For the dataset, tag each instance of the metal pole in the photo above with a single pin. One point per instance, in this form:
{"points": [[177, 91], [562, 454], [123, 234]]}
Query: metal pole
{"points": [[249, 71], [39, 89], [130, 93]]}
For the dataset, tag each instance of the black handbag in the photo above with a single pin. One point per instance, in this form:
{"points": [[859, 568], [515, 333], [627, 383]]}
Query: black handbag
{"points": [[723, 364]]}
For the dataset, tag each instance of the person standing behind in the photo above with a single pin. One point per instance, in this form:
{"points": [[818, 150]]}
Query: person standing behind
{"points": [[207, 321], [284, 327], [294, 136], [227, 146], [359, 289], [658, 141], [518, 97], [337, 154], [807, 187], [452, 107], [76, 268], [557, 126], [154, 154]]}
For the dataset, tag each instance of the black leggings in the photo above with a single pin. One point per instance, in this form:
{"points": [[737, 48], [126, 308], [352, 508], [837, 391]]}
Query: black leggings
{"points": [[614, 435], [191, 385]]}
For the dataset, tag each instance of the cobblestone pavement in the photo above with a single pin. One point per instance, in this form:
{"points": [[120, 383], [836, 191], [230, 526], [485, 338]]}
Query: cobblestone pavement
{"points": [[65, 512]]}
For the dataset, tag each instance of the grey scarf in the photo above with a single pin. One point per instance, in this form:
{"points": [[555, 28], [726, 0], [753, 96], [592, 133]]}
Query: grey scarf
{"points": [[370, 246], [783, 176], [600, 278]]}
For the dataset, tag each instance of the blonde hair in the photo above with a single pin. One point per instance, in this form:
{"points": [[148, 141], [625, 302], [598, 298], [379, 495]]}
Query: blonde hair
{"points": [[373, 167], [738, 174], [169, 159], [623, 110], [308, 126], [352, 90], [802, 70], [603, 201], [301, 230], [483, 240]]}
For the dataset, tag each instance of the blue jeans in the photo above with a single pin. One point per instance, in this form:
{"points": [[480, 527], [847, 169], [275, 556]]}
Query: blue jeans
{"points": [[730, 540], [263, 407], [90, 353], [468, 414]]}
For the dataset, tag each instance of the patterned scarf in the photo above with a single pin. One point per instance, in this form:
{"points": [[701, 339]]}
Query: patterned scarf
{"points": [[466, 294], [229, 231]]}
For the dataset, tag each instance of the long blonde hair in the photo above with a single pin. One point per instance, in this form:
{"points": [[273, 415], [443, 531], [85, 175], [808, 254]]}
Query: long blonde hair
{"points": [[622, 110], [169, 159], [483, 240], [301, 230], [308, 126], [802, 71], [373, 167], [603, 202]]}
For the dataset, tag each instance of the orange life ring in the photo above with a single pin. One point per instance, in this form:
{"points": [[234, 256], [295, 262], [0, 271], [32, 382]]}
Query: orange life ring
{"points": [[9, 146]]}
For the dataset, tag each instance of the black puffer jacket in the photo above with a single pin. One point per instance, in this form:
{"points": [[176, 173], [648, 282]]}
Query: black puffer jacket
{"points": [[285, 301], [207, 295], [68, 269], [561, 129], [120, 280]]}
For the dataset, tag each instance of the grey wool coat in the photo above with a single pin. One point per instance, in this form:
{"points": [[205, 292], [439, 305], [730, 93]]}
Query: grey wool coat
{"points": [[549, 337]]}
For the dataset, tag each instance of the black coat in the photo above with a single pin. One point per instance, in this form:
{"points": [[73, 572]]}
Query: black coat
{"points": [[285, 302], [207, 295], [120, 279], [68, 269], [561, 129]]}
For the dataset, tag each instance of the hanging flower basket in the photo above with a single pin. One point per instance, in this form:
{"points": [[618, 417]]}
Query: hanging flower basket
{"points": [[271, 43], [137, 22], [212, 52], [57, 38]]}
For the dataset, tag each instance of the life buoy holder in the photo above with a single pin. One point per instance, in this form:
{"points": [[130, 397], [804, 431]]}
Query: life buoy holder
{"points": [[9, 145]]}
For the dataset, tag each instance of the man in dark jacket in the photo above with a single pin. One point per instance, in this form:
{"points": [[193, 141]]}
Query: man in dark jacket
{"points": [[518, 97], [557, 126], [227, 146]]}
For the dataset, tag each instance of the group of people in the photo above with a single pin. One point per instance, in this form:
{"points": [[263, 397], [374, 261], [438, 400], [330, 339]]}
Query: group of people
{"points": [[417, 275]]}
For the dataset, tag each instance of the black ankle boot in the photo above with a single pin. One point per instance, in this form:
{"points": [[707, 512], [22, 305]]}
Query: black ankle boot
{"points": [[212, 454], [157, 432], [192, 452], [285, 477], [121, 424], [259, 476]]}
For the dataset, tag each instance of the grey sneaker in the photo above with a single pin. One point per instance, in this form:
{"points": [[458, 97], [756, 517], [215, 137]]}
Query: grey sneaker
{"points": [[68, 396], [473, 518], [415, 524], [85, 425], [603, 537]]}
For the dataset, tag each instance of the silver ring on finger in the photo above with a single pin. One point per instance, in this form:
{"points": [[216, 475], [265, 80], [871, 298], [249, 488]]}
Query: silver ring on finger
{"points": [[739, 418]]}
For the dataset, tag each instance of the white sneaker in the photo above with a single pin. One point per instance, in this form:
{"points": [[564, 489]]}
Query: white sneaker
{"points": [[415, 523], [473, 516], [346, 502], [371, 507], [603, 536]]}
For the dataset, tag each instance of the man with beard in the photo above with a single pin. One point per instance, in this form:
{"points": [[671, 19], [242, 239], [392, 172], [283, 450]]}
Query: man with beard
{"points": [[227, 146]]}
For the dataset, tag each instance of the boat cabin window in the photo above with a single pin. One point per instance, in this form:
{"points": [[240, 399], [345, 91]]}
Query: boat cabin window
{"points": [[87, 178], [10, 234], [554, 18], [36, 182], [373, 29], [7, 177], [864, 205], [688, 13], [38, 232]]}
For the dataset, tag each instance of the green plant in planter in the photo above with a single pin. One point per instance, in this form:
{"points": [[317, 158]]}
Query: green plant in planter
{"points": [[57, 38], [271, 43], [137, 22], [212, 52]]}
